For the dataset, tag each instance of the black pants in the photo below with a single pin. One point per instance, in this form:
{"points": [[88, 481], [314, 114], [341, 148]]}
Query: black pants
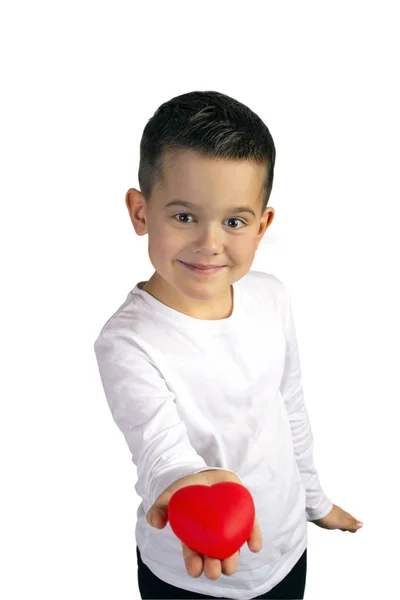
{"points": [[290, 588]]}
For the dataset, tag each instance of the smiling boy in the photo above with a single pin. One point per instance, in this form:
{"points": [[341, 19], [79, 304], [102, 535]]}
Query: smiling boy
{"points": [[200, 364]]}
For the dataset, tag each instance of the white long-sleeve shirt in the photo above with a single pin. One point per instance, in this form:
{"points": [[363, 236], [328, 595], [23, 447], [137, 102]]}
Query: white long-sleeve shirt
{"points": [[191, 394]]}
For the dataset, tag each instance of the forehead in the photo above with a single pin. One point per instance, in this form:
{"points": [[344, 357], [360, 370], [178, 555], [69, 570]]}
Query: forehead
{"points": [[191, 173]]}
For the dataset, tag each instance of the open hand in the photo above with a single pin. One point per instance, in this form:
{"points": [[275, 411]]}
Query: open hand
{"points": [[195, 563]]}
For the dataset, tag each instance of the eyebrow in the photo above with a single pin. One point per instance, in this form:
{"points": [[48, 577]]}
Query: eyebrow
{"points": [[236, 209]]}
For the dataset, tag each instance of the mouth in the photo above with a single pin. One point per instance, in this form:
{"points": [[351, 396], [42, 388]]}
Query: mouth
{"points": [[202, 270]]}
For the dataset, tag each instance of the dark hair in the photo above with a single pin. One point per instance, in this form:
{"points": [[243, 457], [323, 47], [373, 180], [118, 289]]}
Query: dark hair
{"points": [[211, 124]]}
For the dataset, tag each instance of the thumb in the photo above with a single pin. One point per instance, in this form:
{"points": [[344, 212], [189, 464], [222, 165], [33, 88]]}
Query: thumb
{"points": [[157, 517]]}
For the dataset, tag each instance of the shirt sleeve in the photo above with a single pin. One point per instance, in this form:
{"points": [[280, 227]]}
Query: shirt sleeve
{"points": [[318, 504], [144, 409]]}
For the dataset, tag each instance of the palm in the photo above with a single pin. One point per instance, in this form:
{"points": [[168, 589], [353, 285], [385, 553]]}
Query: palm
{"points": [[213, 567]]}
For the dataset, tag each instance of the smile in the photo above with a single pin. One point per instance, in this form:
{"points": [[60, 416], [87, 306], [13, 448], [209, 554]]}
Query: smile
{"points": [[202, 271]]}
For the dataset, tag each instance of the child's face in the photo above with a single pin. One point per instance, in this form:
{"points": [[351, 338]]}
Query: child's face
{"points": [[209, 232]]}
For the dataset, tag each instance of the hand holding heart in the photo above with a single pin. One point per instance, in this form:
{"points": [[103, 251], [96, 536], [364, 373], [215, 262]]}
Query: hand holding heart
{"points": [[213, 516]]}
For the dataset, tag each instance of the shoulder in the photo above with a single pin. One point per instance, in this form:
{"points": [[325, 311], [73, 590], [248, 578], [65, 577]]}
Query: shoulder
{"points": [[118, 342], [259, 283], [122, 327]]}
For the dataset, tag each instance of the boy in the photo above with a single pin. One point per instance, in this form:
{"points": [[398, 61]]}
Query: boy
{"points": [[200, 365]]}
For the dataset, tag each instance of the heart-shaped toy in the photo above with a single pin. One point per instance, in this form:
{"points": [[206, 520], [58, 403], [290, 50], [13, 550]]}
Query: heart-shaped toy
{"points": [[215, 520]]}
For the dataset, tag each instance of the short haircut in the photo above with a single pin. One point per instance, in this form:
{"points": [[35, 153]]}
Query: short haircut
{"points": [[211, 124]]}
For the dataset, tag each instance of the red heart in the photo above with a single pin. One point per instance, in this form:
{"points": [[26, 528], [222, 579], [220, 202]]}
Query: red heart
{"points": [[214, 520]]}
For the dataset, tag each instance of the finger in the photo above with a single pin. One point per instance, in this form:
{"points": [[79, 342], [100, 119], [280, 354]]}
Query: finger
{"points": [[157, 517], [212, 567], [255, 540], [193, 561], [352, 525], [229, 565]]}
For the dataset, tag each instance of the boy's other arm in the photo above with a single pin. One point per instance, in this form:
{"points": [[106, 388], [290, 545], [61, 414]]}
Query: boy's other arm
{"points": [[144, 410], [317, 503]]}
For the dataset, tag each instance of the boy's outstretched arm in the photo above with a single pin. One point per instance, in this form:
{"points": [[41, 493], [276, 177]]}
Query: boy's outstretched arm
{"points": [[319, 509], [144, 410]]}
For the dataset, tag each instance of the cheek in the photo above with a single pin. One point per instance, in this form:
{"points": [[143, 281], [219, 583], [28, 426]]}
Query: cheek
{"points": [[242, 248], [164, 244]]}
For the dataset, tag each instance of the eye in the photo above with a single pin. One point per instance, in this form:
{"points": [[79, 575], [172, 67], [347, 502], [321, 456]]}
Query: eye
{"points": [[230, 219]]}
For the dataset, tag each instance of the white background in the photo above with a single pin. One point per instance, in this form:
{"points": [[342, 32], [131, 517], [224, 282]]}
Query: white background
{"points": [[79, 81]]}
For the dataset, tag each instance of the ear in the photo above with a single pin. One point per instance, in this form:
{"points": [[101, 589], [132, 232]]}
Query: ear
{"points": [[266, 220], [136, 205]]}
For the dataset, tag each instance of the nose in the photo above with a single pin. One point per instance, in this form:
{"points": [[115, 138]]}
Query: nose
{"points": [[209, 240]]}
